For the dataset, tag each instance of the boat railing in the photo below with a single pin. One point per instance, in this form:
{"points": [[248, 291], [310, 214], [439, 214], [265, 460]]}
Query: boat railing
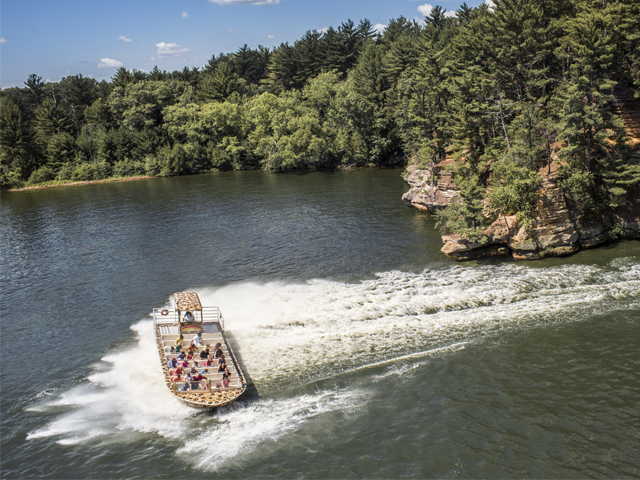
{"points": [[212, 314], [170, 315]]}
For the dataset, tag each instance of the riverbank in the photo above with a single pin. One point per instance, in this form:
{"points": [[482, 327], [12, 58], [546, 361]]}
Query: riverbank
{"points": [[72, 183]]}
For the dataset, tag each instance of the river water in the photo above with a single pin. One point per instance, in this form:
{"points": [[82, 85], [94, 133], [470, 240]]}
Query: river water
{"points": [[370, 353]]}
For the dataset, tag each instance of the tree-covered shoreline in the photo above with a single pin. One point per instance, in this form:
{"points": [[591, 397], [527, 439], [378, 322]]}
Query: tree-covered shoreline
{"points": [[504, 91]]}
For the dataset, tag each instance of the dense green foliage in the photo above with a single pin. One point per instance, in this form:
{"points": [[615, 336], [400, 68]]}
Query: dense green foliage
{"points": [[500, 89]]}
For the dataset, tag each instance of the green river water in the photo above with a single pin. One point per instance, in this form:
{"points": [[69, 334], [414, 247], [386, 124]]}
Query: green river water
{"points": [[371, 355]]}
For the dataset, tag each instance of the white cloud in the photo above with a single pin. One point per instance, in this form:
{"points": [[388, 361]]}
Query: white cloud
{"points": [[425, 9], [271, 37], [323, 29], [125, 39], [232, 30], [2, 40], [151, 59], [245, 2], [109, 63], [185, 15], [379, 28], [490, 3], [171, 49]]}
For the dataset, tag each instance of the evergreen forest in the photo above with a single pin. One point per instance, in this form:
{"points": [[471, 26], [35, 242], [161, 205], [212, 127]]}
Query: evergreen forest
{"points": [[504, 91]]}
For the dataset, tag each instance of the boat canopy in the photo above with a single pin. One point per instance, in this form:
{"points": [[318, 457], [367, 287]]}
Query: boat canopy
{"points": [[187, 301]]}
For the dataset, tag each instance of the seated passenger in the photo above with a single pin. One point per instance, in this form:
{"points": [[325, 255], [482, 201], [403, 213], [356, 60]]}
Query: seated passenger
{"points": [[178, 348], [185, 387], [189, 356], [188, 317], [218, 385], [172, 350], [205, 371], [182, 356], [217, 351], [196, 364], [193, 371], [185, 364], [204, 353], [180, 340], [222, 367], [225, 382], [197, 340], [175, 378], [173, 363]]}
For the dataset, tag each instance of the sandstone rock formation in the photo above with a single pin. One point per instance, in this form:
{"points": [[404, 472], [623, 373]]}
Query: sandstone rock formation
{"points": [[430, 192], [559, 227]]}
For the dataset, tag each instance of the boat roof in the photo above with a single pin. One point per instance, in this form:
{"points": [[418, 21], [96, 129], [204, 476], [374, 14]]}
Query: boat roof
{"points": [[187, 301]]}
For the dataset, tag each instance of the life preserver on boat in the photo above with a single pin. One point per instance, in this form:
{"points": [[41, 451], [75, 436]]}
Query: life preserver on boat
{"points": [[164, 311]]}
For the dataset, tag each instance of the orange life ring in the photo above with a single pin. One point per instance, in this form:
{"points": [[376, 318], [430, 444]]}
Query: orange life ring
{"points": [[164, 311]]}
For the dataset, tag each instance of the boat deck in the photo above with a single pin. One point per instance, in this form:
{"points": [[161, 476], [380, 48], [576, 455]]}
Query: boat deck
{"points": [[209, 394]]}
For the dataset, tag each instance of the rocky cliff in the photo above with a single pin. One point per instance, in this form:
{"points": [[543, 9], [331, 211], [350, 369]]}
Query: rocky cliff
{"points": [[431, 188], [559, 227]]}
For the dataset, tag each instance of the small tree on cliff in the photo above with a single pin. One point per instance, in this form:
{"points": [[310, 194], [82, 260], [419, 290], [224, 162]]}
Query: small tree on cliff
{"points": [[514, 189], [464, 215]]}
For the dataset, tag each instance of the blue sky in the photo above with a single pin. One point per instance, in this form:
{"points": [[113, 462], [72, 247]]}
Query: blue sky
{"points": [[56, 38]]}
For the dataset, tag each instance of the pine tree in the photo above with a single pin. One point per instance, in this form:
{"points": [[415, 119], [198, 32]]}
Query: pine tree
{"points": [[465, 214], [282, 70], [308, 56], [369, 75], [50, 119], [17, 153], [220, 84], [595, 174]]}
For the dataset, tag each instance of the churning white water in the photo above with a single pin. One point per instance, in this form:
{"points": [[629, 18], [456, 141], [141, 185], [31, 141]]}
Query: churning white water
{"points": [[291, 335]]}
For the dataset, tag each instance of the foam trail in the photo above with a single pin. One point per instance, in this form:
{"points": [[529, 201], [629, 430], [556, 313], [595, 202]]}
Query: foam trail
{"points": [[131, 395], [398, 359], [292, 335], [244, 427]]}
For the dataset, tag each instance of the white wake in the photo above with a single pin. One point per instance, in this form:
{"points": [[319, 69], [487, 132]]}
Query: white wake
{"points": [[291, 335]]}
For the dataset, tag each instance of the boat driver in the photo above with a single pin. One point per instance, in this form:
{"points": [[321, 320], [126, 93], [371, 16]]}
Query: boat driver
{"points": [[188, 317]]}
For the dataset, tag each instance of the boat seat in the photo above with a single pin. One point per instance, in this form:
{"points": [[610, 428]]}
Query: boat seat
{"points": [[231, 386], [212, 370], [196, 356], [189, 336], [218, 376]]}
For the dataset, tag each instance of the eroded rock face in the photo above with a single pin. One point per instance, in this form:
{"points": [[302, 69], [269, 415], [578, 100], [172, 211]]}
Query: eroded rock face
{"points": [[427, 192], [559, 227], [553, 232]]}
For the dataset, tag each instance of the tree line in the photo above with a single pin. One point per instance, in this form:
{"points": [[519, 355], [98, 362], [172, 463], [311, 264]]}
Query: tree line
{"points": [[503, 90]]}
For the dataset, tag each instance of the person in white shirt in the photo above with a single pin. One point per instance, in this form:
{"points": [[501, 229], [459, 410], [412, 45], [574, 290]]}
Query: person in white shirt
{"points": [[188, 317], [197, 340]]}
